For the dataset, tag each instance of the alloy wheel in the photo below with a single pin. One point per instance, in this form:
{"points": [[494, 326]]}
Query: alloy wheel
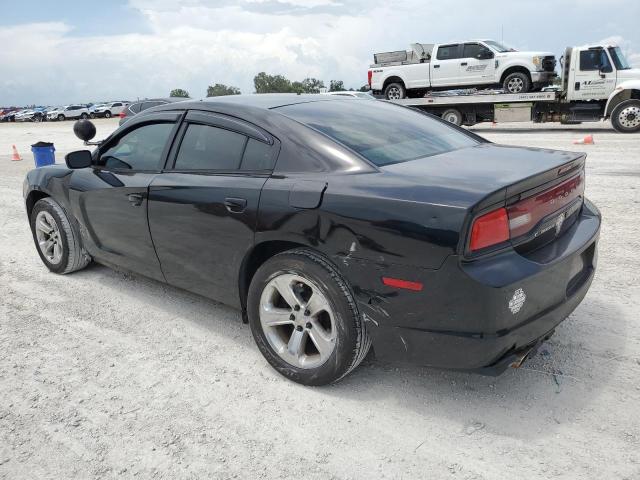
{"points": [[393, 93], [515, 85], [297, 321], [49, 238], [629, 117]]}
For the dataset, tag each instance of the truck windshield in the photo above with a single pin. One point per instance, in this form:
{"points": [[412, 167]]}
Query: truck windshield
{"points": [[499, 46], [619, 59], [380, 132]]}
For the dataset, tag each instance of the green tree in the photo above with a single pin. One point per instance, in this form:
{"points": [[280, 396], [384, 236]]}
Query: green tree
{"points": [[179, 92], [336, 86], [220, 90], [312, 85], [364, 88], [265, 83]]}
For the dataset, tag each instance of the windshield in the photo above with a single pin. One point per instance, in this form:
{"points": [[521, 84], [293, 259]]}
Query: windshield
{"points": [[619, 59], [380, 132], [499, 46]]}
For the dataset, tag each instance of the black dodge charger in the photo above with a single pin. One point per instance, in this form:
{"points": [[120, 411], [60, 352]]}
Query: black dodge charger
{"points": [[335, 225]]}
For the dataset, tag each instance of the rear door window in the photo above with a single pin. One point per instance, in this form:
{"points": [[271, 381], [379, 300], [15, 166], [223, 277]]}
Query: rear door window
{"points": [[448, 52], [205, 147]]}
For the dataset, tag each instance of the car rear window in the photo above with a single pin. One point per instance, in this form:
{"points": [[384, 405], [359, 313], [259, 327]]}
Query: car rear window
{"points": [[380, 132]]}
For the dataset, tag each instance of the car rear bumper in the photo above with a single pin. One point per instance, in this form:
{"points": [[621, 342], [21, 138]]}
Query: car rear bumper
{"points": [[482, 315]]}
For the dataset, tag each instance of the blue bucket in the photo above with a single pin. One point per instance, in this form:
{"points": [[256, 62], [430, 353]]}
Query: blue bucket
{"points": [[43, 154]]}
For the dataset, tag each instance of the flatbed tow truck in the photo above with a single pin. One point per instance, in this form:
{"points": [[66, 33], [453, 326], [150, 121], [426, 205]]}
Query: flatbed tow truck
{"points": [[597, 83]]}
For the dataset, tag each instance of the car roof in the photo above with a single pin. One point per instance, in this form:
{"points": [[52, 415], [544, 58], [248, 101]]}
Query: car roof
{"points": [[270, 100]]}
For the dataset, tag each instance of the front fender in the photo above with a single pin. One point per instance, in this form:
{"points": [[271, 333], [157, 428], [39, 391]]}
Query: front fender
{"points": [[624, 91]]}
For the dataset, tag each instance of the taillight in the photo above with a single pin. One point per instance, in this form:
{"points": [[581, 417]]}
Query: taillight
{"points": [[522, 217], [489, 229], [527, 213], [123, 113], [369, 75]]}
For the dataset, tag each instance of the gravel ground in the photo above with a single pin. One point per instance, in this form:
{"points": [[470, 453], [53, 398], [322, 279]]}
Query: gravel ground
{"points": [[104, 374]]}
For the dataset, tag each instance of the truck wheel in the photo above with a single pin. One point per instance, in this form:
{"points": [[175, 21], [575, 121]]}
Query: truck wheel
{"points": [[304, 318], [626, 116], [452, 116], [517, 82], [395, 91], [57, 241]]}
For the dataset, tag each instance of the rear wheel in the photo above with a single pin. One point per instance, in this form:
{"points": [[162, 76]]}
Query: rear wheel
{"points": [[517, 82], [84, 116], [625, 117], [107, 114], [395, 91], [452, 116], [61, 117], [57, 241], [304, 318]]}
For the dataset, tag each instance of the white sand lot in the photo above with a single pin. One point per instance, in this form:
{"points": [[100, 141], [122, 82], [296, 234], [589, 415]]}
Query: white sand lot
{"points": [[105, 375]]}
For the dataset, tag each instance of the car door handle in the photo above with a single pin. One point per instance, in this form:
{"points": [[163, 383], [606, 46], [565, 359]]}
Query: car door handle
{"points": [[235, 205], [436, 66], [464, 64], [135, 199]]}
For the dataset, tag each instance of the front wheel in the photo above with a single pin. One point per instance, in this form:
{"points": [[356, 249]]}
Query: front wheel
{"points": [[304, 318], [625, 118], [57, 241], [517, 82], [395, 91], [84, 116]]}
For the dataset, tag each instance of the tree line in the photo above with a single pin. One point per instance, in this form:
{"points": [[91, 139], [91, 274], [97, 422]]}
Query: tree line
{"points": [[265, 83]]}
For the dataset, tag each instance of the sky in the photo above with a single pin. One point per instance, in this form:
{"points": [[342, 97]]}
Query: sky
{"points": [[66, 51]]}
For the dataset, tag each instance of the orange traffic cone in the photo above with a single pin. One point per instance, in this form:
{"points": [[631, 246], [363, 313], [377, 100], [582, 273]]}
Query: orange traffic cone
{"points": [[16, 156], [588, 140]]}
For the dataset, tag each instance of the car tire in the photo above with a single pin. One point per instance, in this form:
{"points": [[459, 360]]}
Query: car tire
{"points": [[311, 347], [61, 247], [107, 114], [452, 115], [517, 82], [625, 118], [84, 116], [61, 118], [395, 91]]}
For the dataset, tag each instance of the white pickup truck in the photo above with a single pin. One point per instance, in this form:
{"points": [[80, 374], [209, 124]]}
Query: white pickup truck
{"points": [[477, 63]]}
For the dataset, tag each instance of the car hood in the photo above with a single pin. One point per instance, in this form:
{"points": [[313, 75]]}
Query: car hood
{"points": [[630, 74], [486, 172]]}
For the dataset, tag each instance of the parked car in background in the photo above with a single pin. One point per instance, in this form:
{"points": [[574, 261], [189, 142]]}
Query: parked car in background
{"points": [[69, 111], [137, 107], [31, 115], [334, 224], [9, 114], [93, 107], [108, 110]]}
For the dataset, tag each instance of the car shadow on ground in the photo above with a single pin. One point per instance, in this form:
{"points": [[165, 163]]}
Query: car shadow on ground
{"points": [[550, 389], [534, 130]]}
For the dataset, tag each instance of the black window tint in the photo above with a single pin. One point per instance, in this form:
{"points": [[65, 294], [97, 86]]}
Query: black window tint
{"points": [[146, 105], [257, 156], [116, 105], [380, 132], [447, 52], [140, 149], [135, 108], [595, 59], [210, 148]]}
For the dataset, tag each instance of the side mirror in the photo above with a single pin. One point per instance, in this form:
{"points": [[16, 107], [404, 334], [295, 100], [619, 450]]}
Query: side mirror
{"points": [[485, 55], [78, 159], [85, 130]]}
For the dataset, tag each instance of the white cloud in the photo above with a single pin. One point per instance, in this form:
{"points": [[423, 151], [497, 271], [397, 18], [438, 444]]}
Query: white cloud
{"points": [[193, 43]]}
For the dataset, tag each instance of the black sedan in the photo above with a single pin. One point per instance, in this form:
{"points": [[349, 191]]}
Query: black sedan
{"points": [[334, 225]]}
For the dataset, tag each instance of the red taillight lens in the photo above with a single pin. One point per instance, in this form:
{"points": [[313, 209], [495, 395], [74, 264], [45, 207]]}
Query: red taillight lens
{"points": [[527, 213], [369, 75], [489, 229], [122, 114]]}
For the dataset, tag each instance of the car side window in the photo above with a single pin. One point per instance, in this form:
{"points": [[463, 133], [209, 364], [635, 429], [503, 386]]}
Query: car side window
{"points": [[475, 50], [206, 147], [138, 149], [448, 52], [146, 105], [594, 59], [258, 156]]}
